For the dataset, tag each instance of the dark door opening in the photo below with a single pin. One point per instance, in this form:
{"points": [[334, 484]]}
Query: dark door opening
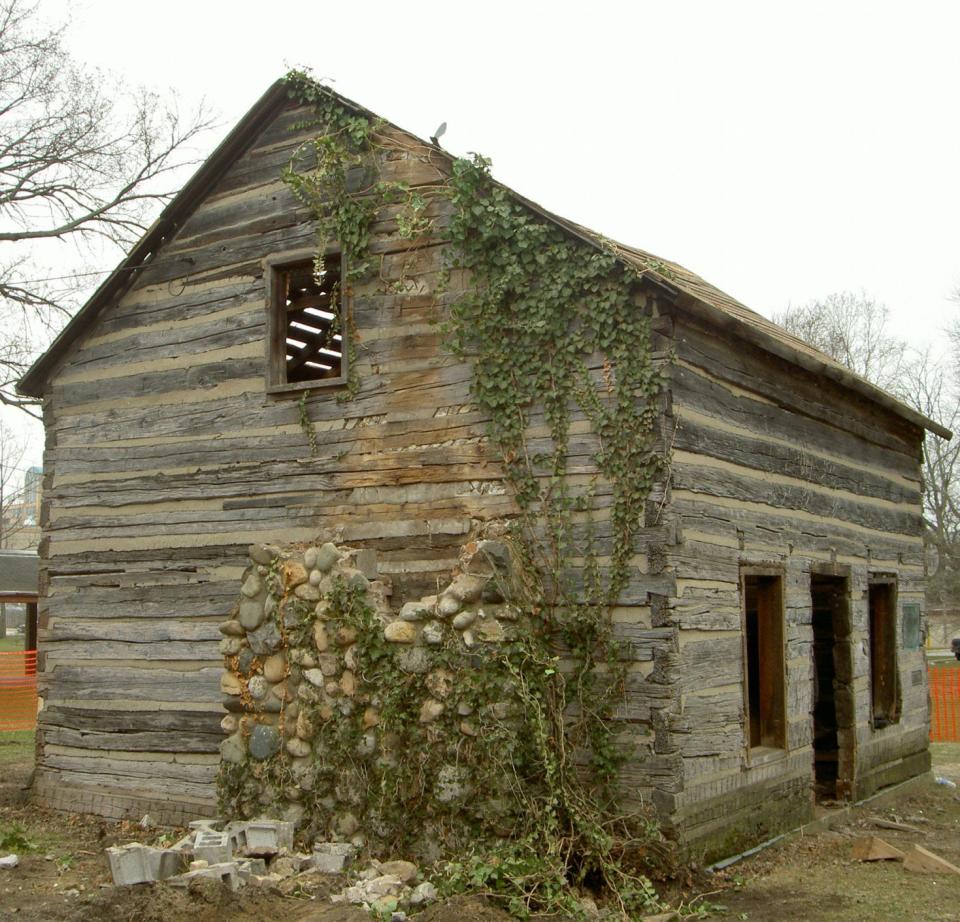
{"points": [[833, 703], [764, 666]]}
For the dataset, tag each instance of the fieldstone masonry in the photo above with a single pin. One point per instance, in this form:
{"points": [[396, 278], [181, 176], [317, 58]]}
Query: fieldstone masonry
{"points": [[312, 737]]}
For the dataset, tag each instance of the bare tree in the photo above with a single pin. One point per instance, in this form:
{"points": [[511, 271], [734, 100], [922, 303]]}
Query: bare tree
{"points": [[852, 328], [932, 387], [14, 514], [81, 159]]}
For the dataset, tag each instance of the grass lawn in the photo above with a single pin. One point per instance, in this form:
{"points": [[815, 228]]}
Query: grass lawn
{"points": [[16, 746], [11, 643]]}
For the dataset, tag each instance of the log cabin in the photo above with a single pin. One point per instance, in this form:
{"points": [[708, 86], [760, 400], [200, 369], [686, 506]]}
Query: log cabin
{"points": [[774, 615]]}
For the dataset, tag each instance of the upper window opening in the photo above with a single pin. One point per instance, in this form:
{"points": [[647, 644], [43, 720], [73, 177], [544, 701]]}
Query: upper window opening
{"points": [[306, 319]]}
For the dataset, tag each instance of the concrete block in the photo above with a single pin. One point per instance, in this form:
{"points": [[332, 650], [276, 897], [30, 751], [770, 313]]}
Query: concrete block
{"points": [[227, 873], [331, 857], [184, 845], [261, 838], [328, 864], [210, 825], [138, 864], [213, 847], [342, 849], [251, 867]]}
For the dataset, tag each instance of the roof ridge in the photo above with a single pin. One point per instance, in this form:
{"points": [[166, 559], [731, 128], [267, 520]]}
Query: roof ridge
{"points": [[677, 280]]}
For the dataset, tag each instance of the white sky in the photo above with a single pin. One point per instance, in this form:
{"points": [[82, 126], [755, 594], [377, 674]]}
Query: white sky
{"points": [[781, 150]]}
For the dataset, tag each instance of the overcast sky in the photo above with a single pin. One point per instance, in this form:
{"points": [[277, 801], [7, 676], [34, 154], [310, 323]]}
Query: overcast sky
{"points": [[781, 150]]}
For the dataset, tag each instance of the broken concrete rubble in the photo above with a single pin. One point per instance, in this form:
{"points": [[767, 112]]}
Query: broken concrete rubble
{"points": [[228, 873], [210, 850], [260, 838], [138, 864], [260, 853], [330, 857], [213, 847]]}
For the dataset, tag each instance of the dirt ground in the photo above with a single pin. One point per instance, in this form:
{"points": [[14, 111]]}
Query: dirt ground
{"points": [[814, 877], [63, 874]]}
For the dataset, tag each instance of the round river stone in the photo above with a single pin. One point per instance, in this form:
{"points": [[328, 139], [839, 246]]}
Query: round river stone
{"points": [[264, 741]]}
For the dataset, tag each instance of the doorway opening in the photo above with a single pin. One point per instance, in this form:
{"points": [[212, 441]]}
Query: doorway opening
{"points": [[764, 697], [833, 701]]}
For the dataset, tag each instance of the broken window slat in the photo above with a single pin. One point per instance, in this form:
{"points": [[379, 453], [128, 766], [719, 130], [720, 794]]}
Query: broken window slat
{"points": [[305, 314]]}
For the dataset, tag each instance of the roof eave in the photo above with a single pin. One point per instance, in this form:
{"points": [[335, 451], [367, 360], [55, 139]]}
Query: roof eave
{"points": [[808, 362], [33, 382]]}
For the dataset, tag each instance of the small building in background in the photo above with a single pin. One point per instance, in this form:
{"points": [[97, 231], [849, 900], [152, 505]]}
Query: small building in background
{"points": [[19, 586]]}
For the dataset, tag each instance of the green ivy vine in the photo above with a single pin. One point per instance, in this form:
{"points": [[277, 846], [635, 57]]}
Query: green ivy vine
{"points": [[560, 343]]}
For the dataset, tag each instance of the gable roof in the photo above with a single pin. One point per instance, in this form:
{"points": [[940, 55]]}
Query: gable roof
{"points": [[689, 290]]}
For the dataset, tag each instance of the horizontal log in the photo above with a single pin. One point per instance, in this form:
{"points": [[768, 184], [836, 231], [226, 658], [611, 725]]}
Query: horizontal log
{"points": [[740, 485], [178, 740], [795, 389], [148, 782], [122, 721], [236, 329], [126, 683], [159, 633], [770, 456], [98, 650], [696, 392]]}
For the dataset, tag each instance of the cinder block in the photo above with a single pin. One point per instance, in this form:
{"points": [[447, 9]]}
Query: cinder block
{"points": [[184, 845], [227, 873], [212, 847], [208, 825], [331, 857], [138, 864], [261, 837], [250, 867]]}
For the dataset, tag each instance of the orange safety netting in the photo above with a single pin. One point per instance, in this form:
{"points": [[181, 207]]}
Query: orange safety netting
{"points": [[944, 704], [18, 690]]}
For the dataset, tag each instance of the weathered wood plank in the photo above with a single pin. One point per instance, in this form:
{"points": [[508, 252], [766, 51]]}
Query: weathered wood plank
{"points": [[754, 414], [709, 481], [800, 391], [157, 633], [765, 455], [126, 683], [177, 740]]}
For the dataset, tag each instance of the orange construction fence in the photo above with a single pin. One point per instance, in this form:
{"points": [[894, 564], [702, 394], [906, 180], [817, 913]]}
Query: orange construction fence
{"points": [[18, 690], [944, 704]]}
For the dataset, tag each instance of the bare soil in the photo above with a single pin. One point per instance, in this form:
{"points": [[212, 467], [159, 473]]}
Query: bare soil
{"points": [[815, 877], [63, 875]]}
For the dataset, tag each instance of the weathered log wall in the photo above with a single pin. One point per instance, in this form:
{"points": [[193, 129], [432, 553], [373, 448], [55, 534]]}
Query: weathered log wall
{"points": [[165, 460], [773, 466]]}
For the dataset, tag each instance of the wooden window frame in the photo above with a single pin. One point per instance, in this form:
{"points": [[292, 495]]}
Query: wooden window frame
{"points": [[276, 379], [776, 743], [883, 652]]}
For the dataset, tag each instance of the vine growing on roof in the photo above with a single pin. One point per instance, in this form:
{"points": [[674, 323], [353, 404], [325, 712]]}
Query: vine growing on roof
{"points": [[565, 371]]}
